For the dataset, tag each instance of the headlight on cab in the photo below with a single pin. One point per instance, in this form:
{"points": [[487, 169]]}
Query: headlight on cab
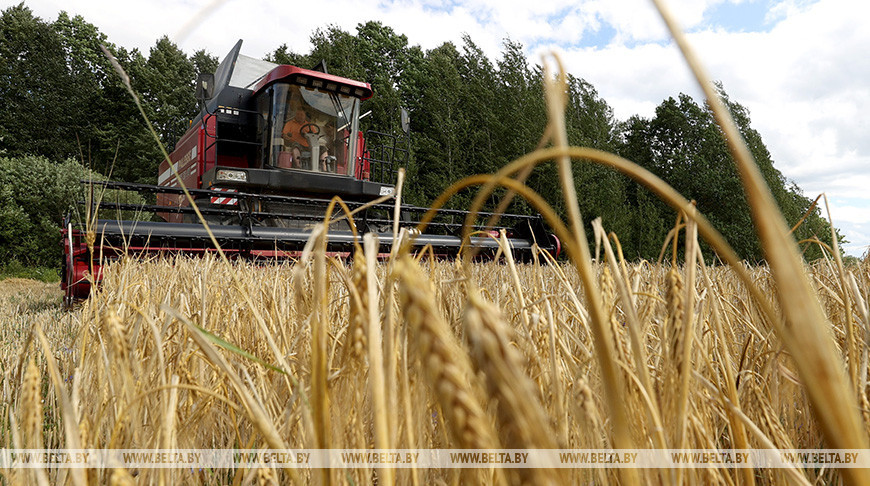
{"points": [[231, 175]]}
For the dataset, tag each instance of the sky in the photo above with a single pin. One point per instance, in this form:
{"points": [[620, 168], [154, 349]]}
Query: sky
{"points": [[801, 67]]}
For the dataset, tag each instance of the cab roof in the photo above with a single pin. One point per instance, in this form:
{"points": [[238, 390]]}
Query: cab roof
{"points": [[240, 71], [314, 79]]}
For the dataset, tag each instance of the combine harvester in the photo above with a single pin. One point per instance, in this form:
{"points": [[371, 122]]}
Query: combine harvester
{"points": [[271, 147]]}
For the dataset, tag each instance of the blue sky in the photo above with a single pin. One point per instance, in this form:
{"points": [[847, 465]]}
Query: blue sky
{"points": [[800, 66], [745, 16]]}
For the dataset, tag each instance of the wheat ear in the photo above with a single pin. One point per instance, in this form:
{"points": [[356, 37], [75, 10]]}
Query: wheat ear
{"points": [[445, 362], [522, 419]]}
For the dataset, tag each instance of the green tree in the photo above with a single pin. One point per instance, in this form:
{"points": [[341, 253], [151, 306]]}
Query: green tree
{"points": [[438, 122], [385, 56], [35, 88], [652, 219], [468, 115], [686, 148], [64, 99], [601, 191], [167, 88], [104, 110], [35, 195], [521, 111], [683, 145], [480, 102], [203, 62]]}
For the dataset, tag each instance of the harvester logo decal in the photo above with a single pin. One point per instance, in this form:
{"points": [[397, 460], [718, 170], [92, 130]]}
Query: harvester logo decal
{"points": [[179, 166]]}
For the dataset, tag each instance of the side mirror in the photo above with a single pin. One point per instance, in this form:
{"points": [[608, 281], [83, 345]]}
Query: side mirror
{"points": [[204, 87], [406, 121]]}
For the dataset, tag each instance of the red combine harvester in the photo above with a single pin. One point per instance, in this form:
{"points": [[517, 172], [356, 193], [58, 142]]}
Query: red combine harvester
{"points": [[270, 148]]}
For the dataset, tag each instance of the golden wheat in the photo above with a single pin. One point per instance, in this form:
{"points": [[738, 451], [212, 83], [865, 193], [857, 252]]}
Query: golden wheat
{"points": [[202, 395]]}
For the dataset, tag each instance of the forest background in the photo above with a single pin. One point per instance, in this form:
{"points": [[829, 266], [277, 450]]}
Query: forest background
{"points": [[67, 117]]}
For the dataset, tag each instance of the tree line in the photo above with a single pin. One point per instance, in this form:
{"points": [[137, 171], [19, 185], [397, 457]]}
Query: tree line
{"points": [[469, 114]]}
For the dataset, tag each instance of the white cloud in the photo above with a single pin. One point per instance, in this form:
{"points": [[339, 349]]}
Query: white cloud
{"points": [[645, 74], [848, 214], [857, 236], [786, 8]]}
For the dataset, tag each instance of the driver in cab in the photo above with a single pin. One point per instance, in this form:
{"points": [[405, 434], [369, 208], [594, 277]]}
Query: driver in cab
{"points": [[297, 127]]}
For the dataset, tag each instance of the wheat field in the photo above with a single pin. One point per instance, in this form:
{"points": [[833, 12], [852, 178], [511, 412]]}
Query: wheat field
{"points": [[489, 355]]}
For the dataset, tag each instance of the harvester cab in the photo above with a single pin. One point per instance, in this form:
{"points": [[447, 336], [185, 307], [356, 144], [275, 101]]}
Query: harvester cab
{"points": [[271, 146], [272, 129]]}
